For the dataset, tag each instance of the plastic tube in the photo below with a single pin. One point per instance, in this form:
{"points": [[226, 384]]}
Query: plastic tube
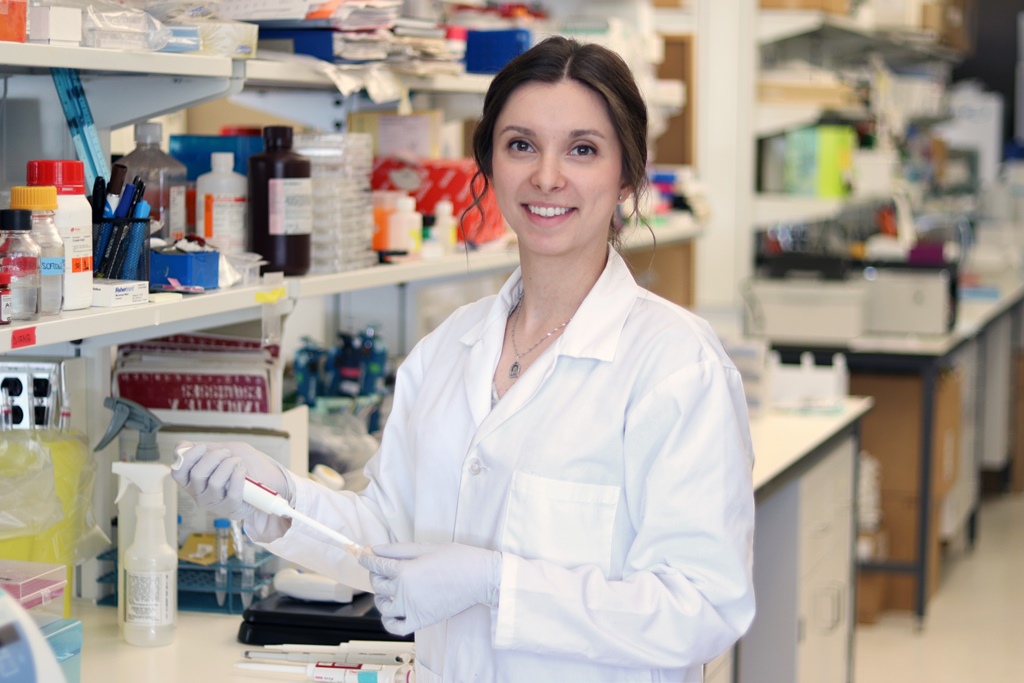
{"points": [[222, 529]]}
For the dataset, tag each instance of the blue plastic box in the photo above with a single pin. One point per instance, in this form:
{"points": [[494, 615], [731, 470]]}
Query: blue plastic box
{"points": [[65, 639], [487, 52], [192, 269]]}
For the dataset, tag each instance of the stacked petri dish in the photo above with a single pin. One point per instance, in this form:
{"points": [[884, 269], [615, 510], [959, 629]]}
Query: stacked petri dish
{"points": [[341, 164]]}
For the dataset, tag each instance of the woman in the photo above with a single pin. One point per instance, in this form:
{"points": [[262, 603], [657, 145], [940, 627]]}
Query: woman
{"points": [[567, 467]]}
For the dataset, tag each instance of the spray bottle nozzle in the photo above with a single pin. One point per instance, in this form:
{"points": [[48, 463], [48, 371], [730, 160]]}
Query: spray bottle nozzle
{"points": [[130, 414], [148, 476]]}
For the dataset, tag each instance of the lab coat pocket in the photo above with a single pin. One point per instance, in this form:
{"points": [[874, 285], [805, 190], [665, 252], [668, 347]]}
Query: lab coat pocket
{"points": [[565, 522]]}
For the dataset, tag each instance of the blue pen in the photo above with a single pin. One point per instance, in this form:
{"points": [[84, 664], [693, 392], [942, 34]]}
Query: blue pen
{"points": [[137, 243], [125, 201]]}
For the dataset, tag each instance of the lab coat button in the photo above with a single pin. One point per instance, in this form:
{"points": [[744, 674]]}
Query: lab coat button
{"points": [[474, 467]]}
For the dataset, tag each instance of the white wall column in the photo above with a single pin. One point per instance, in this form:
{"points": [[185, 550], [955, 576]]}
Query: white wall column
{"points": [[727, 64]]}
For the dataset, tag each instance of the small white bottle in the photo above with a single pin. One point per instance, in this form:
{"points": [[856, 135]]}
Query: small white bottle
{"points": [[405, 227], [73, 219], [149, 599], [221, 200], [446, 228]]}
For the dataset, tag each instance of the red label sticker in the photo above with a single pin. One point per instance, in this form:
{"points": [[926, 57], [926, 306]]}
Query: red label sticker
{"points": [[20, 338]]}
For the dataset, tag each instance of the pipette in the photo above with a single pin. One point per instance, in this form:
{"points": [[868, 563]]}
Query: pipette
{"points": [[340, 673], [266, 499]]}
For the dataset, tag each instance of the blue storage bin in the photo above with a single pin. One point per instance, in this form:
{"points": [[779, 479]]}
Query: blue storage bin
{"points": [[192, 269], [65, 639], [487, 52]]}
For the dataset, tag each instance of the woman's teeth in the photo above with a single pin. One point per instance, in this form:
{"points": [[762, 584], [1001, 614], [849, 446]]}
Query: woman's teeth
{"points": [[547, 211]]}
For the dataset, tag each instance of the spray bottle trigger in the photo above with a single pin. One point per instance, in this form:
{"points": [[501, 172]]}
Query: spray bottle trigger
{"points": [[122, 486]]}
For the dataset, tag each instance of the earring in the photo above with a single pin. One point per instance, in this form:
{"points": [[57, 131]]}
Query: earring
{"points": [[620, 197]]}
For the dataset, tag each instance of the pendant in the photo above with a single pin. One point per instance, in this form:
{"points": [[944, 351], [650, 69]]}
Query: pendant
{"points": [[513, 372]]}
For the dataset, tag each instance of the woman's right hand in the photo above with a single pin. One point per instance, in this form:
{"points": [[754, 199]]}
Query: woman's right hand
{"points": [[214, 475]]}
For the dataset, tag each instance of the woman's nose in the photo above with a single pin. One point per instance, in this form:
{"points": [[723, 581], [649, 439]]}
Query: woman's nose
{"points": [[548, 175]]}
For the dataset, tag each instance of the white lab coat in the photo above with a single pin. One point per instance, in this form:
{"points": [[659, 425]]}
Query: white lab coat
{"points": [[615, 477]]}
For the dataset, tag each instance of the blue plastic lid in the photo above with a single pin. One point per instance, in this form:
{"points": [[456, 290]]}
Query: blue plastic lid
{"points": [[221, 523]]}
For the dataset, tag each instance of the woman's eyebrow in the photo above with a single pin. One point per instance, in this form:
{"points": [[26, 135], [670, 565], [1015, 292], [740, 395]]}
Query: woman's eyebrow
{"points": [[583, 133], [517, 129]]}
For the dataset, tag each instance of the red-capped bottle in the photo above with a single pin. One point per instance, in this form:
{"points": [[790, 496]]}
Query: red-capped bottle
{"points": [[280, 204]]}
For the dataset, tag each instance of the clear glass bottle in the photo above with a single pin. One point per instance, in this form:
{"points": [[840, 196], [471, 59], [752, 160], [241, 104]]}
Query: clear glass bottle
{"points": [[74, 221], [42, 202], [222, 528], [165, 177], [19, 258]]}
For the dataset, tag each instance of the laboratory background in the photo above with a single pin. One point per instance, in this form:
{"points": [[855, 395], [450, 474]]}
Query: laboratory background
{"points": [[230, 220]]}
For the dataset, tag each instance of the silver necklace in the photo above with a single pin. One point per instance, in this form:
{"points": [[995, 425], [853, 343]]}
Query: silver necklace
{"points": [[513, 372]]}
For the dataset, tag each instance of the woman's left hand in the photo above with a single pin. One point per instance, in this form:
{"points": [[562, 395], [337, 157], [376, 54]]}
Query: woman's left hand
{"points": [[421, 584]]}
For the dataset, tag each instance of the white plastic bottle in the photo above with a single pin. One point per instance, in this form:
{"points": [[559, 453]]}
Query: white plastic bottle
{"points": [[42, 202], [446, 228], [405, 227], [149, 599], [73, 219], [221, 199]]}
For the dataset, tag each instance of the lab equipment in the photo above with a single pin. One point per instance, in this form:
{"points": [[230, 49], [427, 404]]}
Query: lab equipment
{"points": [[73, 218], [280, 217], [341, 673], [23, 650], [222, 530], [246, 552], [19, 258], [164, 178], [42, 202], [150, 566], [311, 586], [81, 125], [267, 500], [352, 652], [130, 415], [221, 199], [319, 626], [904, 299]]}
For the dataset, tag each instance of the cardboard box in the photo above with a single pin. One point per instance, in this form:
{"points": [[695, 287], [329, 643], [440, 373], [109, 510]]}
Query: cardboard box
{"points": [[113, 293], [892, 431], [959, 25], [429, 180], [933, 15], [871, 591], [831, 6]]}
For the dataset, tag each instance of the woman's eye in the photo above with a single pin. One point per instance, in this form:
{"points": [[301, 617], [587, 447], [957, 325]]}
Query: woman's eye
{"points": [[519, 146], [583, 150]]}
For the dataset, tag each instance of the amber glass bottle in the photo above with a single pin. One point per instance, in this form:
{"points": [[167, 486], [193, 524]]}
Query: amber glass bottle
{"points": [[280, 204]]}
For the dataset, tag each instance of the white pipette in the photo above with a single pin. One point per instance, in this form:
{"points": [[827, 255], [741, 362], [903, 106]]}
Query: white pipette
{"points": [[268, 500]]}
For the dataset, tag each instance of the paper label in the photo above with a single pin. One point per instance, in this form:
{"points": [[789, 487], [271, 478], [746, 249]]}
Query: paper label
{"points": [[26, 336], [176, 211], [5, 307], [78, 249], [224, 221], [290, 206], [148, 598], [51, 265]]}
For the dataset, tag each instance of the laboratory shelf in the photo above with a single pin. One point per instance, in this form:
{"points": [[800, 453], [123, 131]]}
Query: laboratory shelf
{"points": [[781, 208], [267, 73], [95, 327], [772, 118], [499, 255], [30, 58], [840, 41]]}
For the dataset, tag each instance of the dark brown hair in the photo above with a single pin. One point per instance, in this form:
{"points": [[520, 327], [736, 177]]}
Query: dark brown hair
{"points": [[605, 73]]}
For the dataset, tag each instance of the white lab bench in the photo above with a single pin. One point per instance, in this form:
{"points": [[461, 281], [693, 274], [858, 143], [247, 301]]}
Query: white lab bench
{"points": [[786, 445]]}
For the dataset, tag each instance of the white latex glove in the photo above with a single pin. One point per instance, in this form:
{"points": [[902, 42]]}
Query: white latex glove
{"points": [[421, 584], [214, 473]]}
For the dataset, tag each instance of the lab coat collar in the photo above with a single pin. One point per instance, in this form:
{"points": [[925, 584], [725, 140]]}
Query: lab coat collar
{"points": [[596, 326]]}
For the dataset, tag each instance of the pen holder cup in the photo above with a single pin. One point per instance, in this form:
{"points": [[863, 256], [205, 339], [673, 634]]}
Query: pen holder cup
{"points": [[121, 248]]}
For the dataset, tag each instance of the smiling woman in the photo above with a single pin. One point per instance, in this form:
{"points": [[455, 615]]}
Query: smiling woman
{"points": [[563, 489]]}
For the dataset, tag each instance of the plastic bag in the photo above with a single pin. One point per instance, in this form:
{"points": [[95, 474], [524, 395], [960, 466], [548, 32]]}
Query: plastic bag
{"points": [[28, 500], [339, 439], [117, 27]]}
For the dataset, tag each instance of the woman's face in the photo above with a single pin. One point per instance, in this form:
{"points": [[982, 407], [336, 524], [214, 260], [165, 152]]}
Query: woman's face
{"points": [[557, 167]]}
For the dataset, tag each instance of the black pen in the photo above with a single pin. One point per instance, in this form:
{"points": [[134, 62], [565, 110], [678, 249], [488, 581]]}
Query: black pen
{"points": [[99, 198]]}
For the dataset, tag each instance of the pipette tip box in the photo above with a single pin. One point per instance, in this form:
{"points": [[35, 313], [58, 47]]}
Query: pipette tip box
{"points": [[33, 583]]}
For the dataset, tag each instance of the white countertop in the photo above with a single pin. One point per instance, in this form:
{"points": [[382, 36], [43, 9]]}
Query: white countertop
{"points": [[205, 648]]}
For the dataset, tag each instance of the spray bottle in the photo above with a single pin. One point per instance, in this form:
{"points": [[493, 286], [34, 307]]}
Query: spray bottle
{"points": [[148, 573], [130, 415]]}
